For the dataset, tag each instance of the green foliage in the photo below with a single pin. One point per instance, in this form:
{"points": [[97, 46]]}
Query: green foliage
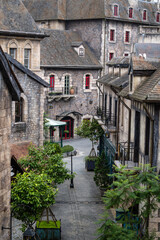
{"points": [[47, 159], [91, 158], [67, 148], [90, 129], [101, 171], [130, 188], [44, 124], [31, 194]]}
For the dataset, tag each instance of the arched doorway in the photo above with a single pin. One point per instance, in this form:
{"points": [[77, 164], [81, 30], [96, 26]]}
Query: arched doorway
{"points": [[68, 129]]}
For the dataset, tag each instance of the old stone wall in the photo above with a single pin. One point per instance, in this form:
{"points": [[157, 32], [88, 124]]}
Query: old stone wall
{"points": [[84, 100], [31, 127], [5, 169]]}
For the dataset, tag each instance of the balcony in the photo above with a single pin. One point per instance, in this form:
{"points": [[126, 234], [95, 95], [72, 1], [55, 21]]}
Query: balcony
{"points": [[58, 94], [128, 155], [108, 118]]}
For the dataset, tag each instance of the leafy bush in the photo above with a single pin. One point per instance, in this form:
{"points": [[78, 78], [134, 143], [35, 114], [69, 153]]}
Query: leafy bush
{"points": [[67, 148], [91, 158], [31, 194], [47, 159]]}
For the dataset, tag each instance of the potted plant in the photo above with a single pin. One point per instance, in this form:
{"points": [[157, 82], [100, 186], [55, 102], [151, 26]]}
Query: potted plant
{"points": [[90, 162], [102, 170], [72, 90]]}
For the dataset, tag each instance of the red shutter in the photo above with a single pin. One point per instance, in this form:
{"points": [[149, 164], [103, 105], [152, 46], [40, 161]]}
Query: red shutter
{"points": [[127, 36], [130, 12], [115, 10], [87, 81], [157, 17], [144, 15], [51, 81], [111, 55], [111, 35]]}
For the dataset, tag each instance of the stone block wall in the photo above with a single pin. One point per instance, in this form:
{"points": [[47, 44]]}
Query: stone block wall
{"points": [[5, 169], [31, 127]]}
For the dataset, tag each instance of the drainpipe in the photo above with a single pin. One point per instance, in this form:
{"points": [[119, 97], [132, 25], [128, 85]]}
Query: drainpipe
{"points": [[101, 93], [152, 134], [118, 125]]}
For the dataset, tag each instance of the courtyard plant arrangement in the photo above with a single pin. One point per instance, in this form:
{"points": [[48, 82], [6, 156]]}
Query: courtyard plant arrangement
{"points": [[101, 177], [90, 162], [34, 191], [130, 189]]}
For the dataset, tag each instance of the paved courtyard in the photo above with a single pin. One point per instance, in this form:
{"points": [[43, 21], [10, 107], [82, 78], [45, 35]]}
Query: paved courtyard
{"points": [[79, 207]]}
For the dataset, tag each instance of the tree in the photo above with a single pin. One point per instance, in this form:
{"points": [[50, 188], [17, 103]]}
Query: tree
{"points": [[46, 159], [31, 194], [90, 129], [131, 188]]}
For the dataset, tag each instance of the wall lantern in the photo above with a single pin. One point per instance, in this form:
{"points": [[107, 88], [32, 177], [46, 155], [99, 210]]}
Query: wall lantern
{"points": [[29, 234]]}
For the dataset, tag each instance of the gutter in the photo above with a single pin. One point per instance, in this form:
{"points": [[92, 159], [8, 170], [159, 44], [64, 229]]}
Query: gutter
{"points": [[22, 34], [73, 66]]}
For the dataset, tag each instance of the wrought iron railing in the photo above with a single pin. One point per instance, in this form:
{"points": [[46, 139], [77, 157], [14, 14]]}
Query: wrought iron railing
{"points": [[126, 154], [63, 91], [107, 117]]}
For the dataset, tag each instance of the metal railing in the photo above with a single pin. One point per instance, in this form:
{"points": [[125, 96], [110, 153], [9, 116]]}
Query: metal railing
{"points": [[63, 91], [107, 117], [128, 154]]}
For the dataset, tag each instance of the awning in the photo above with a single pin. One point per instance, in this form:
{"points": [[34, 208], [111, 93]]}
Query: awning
{"points": [[54, 123]]}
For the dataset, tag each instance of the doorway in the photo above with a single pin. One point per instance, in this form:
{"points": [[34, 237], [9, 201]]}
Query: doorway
{"points": [[68, 129], [137, 137]]}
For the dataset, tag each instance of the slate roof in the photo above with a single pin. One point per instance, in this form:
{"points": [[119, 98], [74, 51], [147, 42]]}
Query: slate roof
{"points": [[57, 51], [9, 77], [26, 71], [115, 81], [139, 63], [149, 89], [14, 17], [119, 61], [151, 50], [90, 9]]}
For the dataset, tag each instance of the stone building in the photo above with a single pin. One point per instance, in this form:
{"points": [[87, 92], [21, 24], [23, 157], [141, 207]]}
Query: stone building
{"points": [[19, 34], [108, 27], [10, 90], [71, 69]]}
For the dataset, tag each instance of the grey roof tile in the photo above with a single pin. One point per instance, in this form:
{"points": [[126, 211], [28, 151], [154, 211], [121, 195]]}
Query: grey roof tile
{"points": [[57, 50], [15, 17]]}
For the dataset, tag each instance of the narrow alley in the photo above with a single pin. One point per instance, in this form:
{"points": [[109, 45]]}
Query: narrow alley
{"points": [[79, 207]]}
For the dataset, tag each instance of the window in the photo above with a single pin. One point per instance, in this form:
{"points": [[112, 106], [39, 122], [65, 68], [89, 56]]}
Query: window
{"points": [[127, 37], [19, 111], [111, 55], [157, 17], [66, 85], [130, 12], [87, 83], [13, 52], [112, 35], [81, 52], [52, 82], [126, 54], [144, 15], [27, 57], [115, 10]]}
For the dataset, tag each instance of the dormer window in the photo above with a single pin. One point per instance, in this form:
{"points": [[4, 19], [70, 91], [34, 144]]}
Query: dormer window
{"points": [[144, 15], [158, 17], [130, 12], [81, 52], [115, 9]]}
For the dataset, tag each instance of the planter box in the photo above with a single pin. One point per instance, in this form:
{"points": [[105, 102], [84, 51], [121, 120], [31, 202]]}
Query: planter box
{"points": [[48, 230], [90, 165]]}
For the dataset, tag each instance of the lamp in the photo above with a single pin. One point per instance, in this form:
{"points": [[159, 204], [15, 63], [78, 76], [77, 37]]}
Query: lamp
{"points": [[29, 234]]}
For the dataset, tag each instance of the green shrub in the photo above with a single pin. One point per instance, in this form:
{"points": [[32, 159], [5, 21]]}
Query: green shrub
{"points": [[67, 148], [90, 158]]}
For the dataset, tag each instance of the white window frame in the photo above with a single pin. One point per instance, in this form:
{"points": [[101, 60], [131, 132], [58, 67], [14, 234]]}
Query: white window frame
{"points": [[28, 58]]}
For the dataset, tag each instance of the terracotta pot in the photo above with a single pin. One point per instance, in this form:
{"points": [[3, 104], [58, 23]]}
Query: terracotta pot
{"points": [[72, 91]]}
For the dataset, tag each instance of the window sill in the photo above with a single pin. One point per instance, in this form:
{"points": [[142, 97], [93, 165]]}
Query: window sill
{"points": [[87, 90], [19, 127]]}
